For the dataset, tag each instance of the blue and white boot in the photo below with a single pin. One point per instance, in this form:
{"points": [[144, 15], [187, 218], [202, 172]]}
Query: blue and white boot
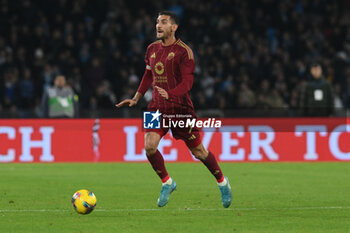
{"points": [[167, 189], [226, 193]]}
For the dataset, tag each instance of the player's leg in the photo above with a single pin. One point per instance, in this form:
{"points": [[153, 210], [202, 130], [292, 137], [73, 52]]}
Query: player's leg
{"points": [[156, 159], [154, 156], [209, 160]]}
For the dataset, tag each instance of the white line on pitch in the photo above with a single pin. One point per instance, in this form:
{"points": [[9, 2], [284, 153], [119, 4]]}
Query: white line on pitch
{"points": [[184, 209]]}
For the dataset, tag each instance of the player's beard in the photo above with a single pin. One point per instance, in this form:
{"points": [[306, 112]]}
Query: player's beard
{"points": [[166, 35]]}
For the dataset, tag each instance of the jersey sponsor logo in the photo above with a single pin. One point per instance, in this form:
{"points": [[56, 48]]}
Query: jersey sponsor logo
{"points": [[159, 68], [171, 55], [161, 79], [153, 55], [151, 120]]}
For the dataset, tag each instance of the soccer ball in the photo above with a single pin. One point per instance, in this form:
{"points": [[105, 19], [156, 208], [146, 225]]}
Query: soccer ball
{"points": [[84, 201]]}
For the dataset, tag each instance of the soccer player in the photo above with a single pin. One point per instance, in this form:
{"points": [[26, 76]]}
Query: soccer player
{"points": [[170, 68]]}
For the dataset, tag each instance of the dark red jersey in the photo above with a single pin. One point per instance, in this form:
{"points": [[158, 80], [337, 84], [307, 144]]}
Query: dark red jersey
{"points": [[171, 68]]}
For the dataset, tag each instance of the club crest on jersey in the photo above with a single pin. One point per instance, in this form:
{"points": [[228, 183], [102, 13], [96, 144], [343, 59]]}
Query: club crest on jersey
{"points": [[171, 55], [159, 68], [153, 55]]}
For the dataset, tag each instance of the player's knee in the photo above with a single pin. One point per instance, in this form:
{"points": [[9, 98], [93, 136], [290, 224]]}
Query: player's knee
{"points": [[151, 143], [150, 148], [199, 153]]}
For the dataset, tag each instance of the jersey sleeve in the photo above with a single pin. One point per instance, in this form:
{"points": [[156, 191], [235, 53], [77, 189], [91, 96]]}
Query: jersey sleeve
{"points": [[147, 76], [187, 71], [148, 66]]}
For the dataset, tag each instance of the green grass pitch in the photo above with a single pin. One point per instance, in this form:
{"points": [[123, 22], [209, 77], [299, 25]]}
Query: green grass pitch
{"points": [[268, 197]]}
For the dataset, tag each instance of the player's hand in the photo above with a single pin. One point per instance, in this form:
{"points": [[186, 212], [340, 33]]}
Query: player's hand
{"points": [[129, 102], [163, 92]]}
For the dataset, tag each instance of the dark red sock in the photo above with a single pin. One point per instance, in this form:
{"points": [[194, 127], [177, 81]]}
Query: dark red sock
{"points": [[213, 166], [158, 165]]}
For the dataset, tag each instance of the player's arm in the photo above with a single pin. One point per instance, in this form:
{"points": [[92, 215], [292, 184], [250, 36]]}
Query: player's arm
{"points": [[144, 86], [187, 71]]}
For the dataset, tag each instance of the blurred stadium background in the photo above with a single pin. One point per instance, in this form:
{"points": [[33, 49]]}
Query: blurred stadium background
{"points": [[253, 57]]}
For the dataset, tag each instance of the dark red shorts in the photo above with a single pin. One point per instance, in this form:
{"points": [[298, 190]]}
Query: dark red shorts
{"points": [[190, 136]]}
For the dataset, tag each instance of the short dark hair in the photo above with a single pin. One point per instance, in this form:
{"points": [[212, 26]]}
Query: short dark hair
{"points": [[172, 15], [315, 64]]}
